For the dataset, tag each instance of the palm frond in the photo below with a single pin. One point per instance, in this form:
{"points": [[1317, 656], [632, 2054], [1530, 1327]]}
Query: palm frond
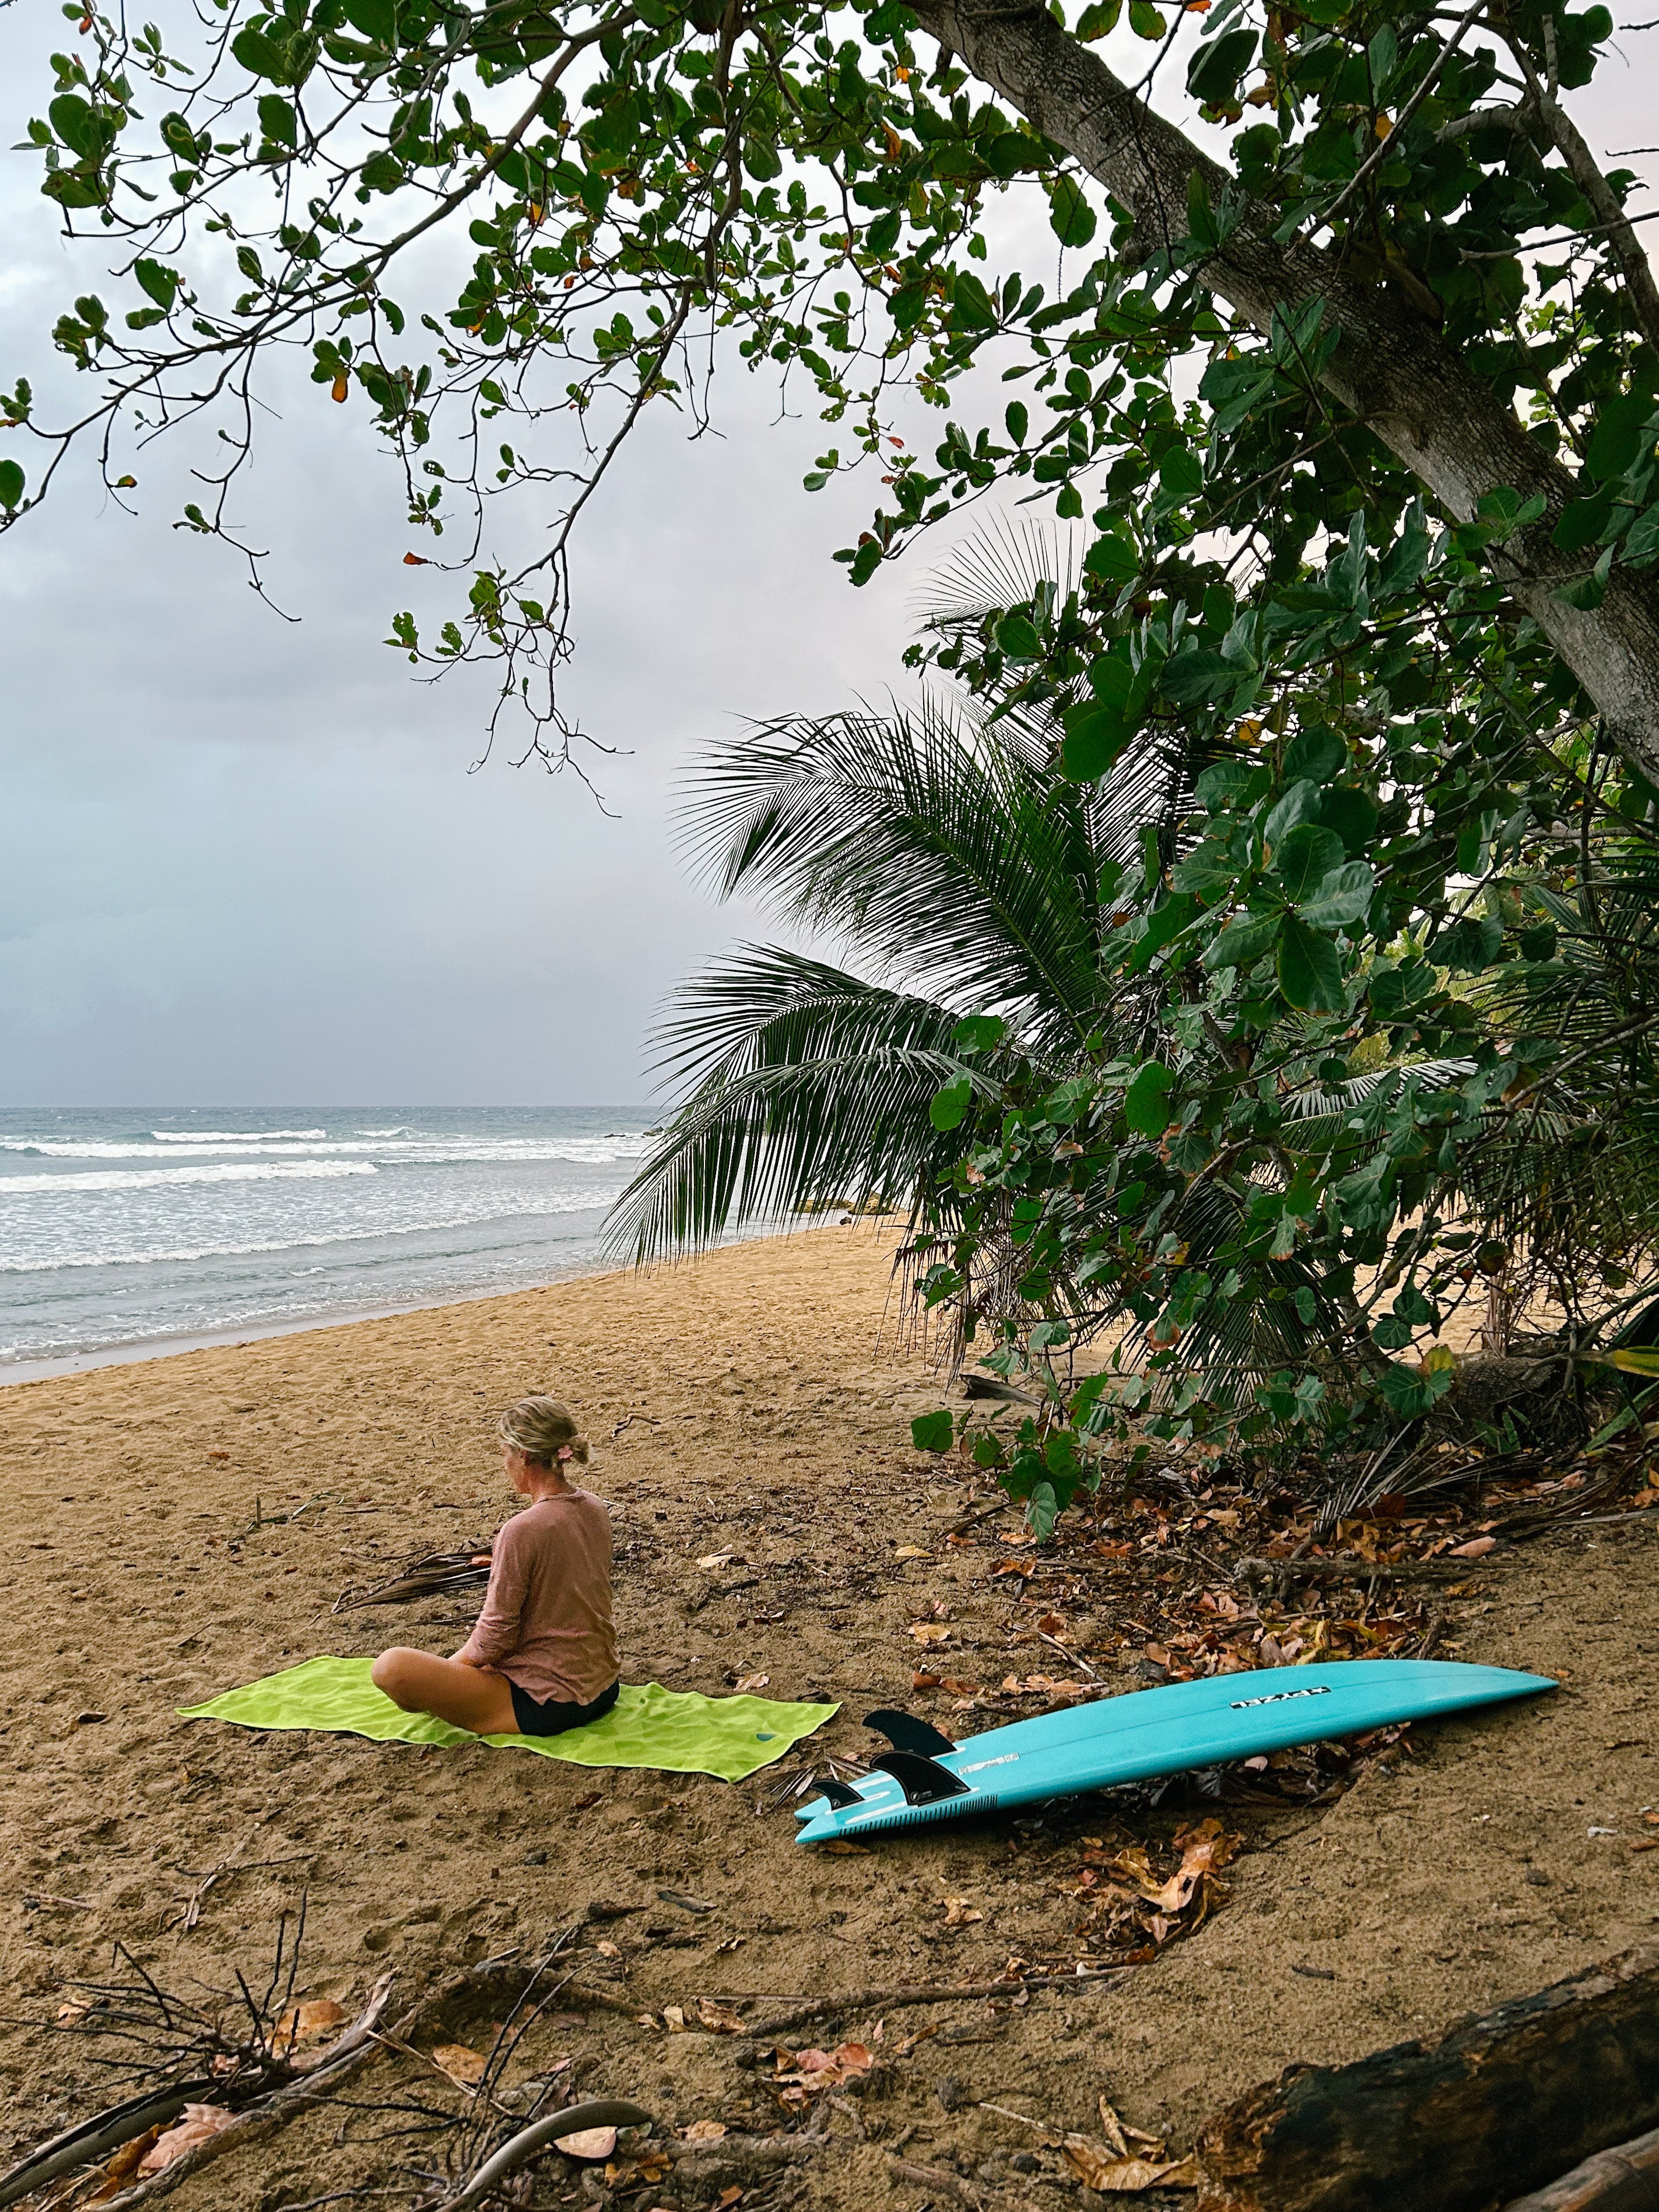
{"points": [[1002, 564], [947, 854], [812, 1086]]}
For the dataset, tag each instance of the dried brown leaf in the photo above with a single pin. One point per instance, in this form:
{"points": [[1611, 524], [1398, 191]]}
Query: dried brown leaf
{"points": [[196, 2123], [307, 2023], [464, 2065], [593, 2144]]}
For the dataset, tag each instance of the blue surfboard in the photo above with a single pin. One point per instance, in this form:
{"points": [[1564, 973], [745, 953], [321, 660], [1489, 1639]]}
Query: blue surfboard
{"points": [[927, 1777]]}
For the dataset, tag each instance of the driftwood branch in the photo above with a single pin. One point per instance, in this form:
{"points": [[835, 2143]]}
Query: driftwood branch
{"points": [[96, 2138], [1495, 2108], [542, 2134], [1622, 2180]]}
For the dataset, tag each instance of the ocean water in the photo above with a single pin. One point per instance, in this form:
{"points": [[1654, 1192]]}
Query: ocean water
{"points": [[126, 1229]]}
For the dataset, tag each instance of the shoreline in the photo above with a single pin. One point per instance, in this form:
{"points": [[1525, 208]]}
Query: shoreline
{"points": [[17, 1373]]}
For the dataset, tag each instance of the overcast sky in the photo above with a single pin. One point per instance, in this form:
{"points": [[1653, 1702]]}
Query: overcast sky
{"points": [[243, 862]]}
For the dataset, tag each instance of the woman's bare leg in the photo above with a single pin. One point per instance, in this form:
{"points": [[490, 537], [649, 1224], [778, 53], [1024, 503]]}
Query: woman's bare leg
{"points": [[475, 1698]]}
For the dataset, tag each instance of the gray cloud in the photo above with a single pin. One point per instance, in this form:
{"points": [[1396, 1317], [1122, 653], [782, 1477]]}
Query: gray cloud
{"points": [[242, 861]]}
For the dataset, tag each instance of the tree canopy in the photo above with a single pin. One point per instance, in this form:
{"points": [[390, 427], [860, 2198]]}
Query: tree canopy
{"points": [[1409, 279]]}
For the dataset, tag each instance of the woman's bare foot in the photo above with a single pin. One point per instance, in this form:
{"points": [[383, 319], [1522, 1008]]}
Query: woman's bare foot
{"points": [[474, 1698]]}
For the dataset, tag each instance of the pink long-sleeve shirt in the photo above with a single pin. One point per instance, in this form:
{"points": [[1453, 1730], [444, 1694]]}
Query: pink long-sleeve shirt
{"points": [[546, 1622]]}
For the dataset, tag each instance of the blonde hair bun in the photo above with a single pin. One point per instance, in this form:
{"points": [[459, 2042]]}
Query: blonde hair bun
{"points": [[543, 1431]]}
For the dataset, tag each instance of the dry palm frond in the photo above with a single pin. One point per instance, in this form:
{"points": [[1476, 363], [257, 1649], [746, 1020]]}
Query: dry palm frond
{"points": [[434, 1574]]}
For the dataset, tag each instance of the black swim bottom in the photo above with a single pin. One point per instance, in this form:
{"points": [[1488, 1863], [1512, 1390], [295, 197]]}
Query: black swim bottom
{"points": [[555, 1718]]}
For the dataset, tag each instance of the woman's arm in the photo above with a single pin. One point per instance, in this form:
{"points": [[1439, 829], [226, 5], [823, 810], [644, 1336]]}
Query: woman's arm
{"points": [[496, 1632]]}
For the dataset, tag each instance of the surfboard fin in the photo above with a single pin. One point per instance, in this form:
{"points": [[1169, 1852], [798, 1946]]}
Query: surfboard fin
{"points": [[906, 1733], [923, 1780], [840, 1794]]}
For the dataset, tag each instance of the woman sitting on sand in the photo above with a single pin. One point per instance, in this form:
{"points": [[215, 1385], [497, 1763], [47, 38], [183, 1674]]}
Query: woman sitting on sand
{"points": [[543, 1657]]}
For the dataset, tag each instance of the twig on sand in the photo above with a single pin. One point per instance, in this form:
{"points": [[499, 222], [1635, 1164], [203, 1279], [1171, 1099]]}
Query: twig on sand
{"points": [[870, 2000], [340, 2195], [1073, 1656], [972, 1520], [933, 2176]]}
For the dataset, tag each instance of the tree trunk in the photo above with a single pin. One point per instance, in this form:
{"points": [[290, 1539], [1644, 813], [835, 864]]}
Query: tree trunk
{"points": [[1499, 2106], [1419, 395]]}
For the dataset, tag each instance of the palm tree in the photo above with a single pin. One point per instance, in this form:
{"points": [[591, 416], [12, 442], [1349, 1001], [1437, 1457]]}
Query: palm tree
{"points": [[944, 849]]}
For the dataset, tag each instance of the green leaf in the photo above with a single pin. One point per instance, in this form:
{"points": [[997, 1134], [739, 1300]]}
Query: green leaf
{"points": [[1070, 214], [1299, 803], [1583, 522], [882, 235], [1407, 1392], [277, 119], [1305, 858], [933, 1433], [1041, 1511], [1318, 755], [1114, 558], [1245, 938], [1225, 782], [1618, 438], [1342, 897], [1145, 1103], [1181, 473], [159, 282], [11, 486], [1588, 592], [1096, 735], [979, 1033], [1213, 74], [1017, 639], [1164, 925], [1633, 1363], [1145, 20], [1309, 973], [1193, 676], [1352, 814], [1468, 945], [73, 120], [1098, 18], [949, 1108]]}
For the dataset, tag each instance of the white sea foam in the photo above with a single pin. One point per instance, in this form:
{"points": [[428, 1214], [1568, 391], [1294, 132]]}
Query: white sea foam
{"points": [[423, 1151], [419, 1225], [230, 1136], [169, 1178]]}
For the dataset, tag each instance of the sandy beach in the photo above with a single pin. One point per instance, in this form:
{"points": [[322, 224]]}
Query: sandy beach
{"points": [[180, 1526]]}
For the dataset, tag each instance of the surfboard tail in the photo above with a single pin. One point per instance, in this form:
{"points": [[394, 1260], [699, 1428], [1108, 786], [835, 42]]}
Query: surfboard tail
{"points": [[828, 1826]]}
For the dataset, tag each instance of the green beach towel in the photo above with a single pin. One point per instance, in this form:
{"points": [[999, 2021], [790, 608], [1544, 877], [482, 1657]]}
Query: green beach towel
{"points": [[675, 1730]]}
